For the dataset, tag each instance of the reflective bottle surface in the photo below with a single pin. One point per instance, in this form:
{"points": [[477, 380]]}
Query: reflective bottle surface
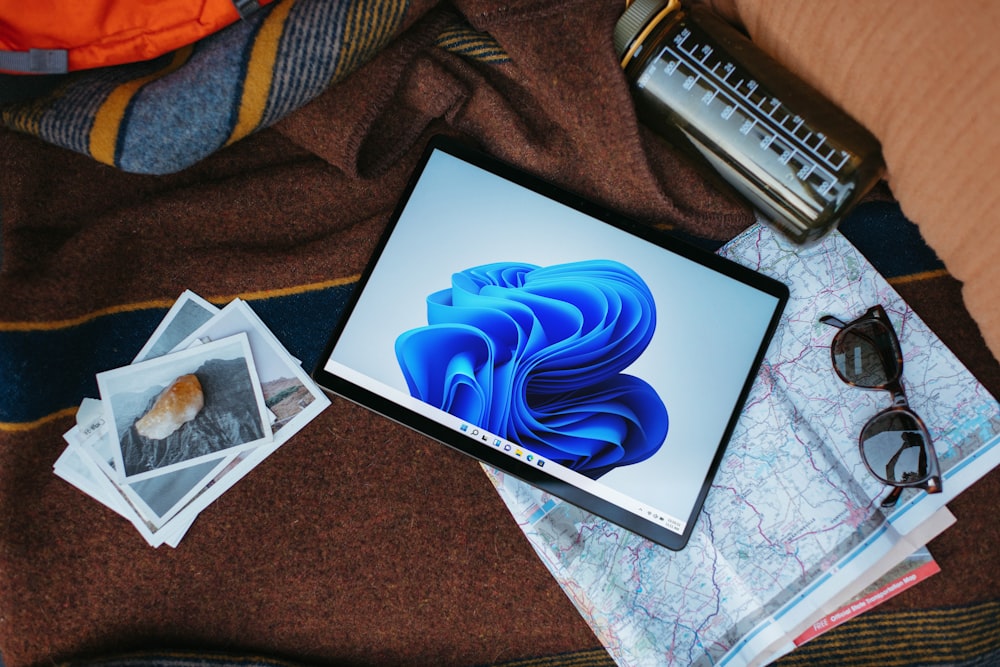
{"points": [[797, 157]]}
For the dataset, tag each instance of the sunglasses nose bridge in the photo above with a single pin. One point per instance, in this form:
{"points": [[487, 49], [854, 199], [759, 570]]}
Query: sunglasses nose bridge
{"points": [[898, 397], [896, 392]]}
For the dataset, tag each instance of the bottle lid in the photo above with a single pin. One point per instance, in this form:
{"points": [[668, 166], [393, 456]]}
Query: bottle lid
{"points": [[636, 16]]}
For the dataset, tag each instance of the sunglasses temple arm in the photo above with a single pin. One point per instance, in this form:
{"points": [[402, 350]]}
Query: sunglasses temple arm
{"points": [[893, 497], [833, 321]]}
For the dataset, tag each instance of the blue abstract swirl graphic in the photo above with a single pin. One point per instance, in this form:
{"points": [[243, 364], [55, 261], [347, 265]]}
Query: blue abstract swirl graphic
{"points": [[536, 354]]}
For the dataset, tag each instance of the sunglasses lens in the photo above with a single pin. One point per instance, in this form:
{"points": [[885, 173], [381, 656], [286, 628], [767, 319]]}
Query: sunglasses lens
{"points": [[865, 355], [895, 446]]}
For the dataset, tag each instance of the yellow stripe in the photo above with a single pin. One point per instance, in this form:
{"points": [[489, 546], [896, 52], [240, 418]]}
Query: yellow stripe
{"points": [[916, 277], [108, 119], [20, 427], [928, 636], [26, 117], [290, 291], [260, 71], [586, 658], [287, 291], [367, 26], [465, 41], [166, 303], [352, 39]]}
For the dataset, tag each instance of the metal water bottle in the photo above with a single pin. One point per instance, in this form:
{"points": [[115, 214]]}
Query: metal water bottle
{"points": [[799, 159]]}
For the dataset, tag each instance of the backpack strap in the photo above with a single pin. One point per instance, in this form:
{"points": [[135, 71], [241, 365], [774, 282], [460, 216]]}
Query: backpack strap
{"points": [[246, 7], [35, 61]]}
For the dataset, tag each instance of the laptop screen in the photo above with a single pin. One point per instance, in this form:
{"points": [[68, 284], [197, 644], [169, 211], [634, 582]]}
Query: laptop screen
{"points": [[541, 334]]}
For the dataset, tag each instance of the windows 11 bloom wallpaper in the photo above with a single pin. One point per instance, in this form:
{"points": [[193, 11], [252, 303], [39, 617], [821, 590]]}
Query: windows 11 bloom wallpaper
{"points": [[536, 355]]}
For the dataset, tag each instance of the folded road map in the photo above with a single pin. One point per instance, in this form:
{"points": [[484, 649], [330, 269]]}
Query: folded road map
{"points": [[792, 533]]}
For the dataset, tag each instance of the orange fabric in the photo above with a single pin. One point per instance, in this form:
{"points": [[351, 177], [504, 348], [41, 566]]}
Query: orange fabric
{"points": [[98, 33]]}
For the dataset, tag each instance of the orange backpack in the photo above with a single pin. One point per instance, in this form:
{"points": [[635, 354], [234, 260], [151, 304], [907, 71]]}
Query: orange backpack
{"points": [[57, 36]]}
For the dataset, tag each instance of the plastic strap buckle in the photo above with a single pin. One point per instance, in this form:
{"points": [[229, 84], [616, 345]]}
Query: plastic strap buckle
{"points": [[246, 7]]}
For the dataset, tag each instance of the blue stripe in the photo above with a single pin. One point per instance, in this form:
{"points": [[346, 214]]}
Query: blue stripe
{"points": [[889, 240], [69, 118], [310, 45], [184, 116], [42, 372]]}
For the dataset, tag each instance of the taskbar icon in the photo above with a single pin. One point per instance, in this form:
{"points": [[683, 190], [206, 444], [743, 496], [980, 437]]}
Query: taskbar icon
{"points": [[498, 443]]}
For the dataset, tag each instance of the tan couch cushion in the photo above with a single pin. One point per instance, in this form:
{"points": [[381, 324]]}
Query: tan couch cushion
{"points": [[925, 78]]}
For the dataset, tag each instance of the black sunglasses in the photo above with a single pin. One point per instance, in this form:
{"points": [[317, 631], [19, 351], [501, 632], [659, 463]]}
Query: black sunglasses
{"points": [[895, 444]]}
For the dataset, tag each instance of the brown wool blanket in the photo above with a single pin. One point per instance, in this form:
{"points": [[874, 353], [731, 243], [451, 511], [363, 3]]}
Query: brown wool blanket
{"points": [[358, 542]]}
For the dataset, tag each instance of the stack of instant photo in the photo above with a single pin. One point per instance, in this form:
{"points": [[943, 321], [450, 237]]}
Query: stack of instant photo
{"points": [[211, 395]]}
